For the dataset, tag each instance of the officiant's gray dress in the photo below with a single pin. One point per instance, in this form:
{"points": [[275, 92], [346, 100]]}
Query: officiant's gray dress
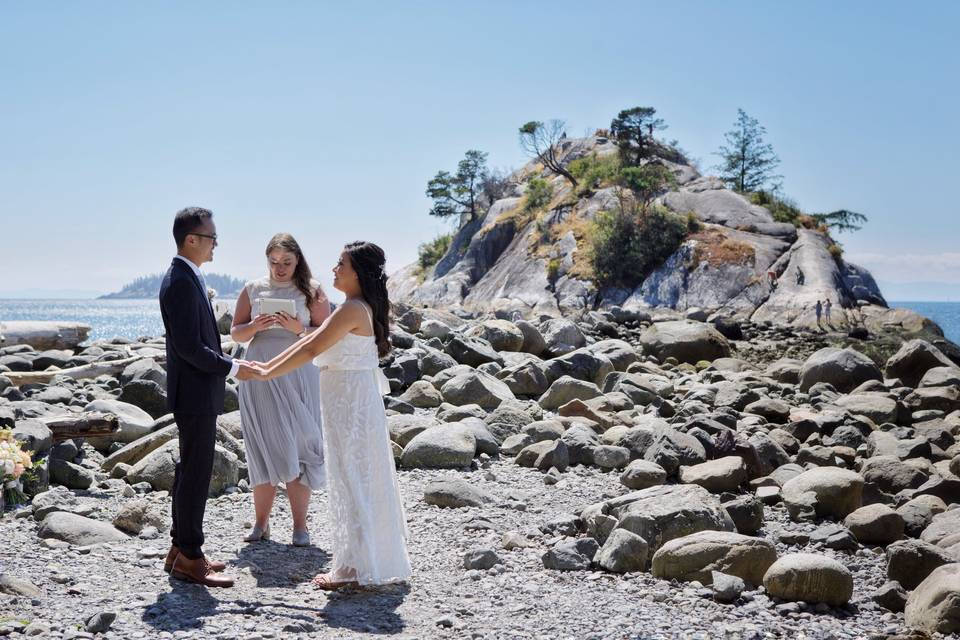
{"points": [[280, 418]]}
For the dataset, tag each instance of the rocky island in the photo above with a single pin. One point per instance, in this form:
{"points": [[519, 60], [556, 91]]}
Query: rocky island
{"points": [[690, 455]]}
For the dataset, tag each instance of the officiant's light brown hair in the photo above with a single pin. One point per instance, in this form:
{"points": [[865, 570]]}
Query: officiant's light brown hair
{"points": [[301, 274]]}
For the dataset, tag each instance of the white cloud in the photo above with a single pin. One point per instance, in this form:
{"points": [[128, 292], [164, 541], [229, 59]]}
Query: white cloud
{"points": [[911, 267]]}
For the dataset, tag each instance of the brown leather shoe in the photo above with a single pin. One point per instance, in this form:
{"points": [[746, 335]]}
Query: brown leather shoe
{"points": [[198, 571], [214, 565]]}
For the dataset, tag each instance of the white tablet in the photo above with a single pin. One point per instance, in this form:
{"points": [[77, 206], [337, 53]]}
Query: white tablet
{"points": [[267, 306]]}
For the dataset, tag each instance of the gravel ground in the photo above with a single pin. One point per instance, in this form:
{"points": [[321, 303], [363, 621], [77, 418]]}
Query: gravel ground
{"points": [[273, 597]]}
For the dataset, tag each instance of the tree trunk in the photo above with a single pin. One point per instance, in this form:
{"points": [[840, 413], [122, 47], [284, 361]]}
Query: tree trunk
{"points": [[92, 370], [81, 425]]}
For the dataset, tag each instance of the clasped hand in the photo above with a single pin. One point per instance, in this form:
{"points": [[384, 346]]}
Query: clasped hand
{"points": [[281, 319], [251, 370]]}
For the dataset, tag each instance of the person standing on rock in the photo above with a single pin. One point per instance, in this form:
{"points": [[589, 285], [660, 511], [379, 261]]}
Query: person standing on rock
{"points": [[819, 311], [369, 533], [827, 306], [281, 418], [196, 379]]}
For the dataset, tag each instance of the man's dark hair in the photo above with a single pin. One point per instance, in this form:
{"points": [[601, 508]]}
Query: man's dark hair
{"points": [[188, 221]]}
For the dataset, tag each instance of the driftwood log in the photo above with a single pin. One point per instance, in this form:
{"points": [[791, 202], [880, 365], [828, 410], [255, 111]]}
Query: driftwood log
{"points": [[43, 335], [92, 370], [81, 425]]}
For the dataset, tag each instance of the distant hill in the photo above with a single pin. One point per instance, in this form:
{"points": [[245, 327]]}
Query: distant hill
{"points": [[149, 286]]}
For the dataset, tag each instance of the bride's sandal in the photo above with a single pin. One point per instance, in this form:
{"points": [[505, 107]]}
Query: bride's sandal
{"points": [[325, 582]]}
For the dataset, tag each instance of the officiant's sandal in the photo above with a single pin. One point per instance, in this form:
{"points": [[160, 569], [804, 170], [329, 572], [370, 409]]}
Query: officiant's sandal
{"points": [[257, 534]]}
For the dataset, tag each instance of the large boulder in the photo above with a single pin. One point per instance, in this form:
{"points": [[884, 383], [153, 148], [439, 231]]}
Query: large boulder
{"points": [[146, 394], [133, 516], [824, 492], [695, 556], [909, 562], [404, 427], [943, 525], [472, 351], [845, 369], [934, 605], [70, 475], [809, 577], [891, 475], [642, 474], [716, 476], [455, 493], [582, 364], [448, 446], [34, 436], [566, 389], [157, 468], [879, 407], [145, 369], [78, 530], [134, 422], [561, 336], [913, 360], [875, 524], [502, 335], [476, 387], [685, 340], [623, 552], [662, 513]]}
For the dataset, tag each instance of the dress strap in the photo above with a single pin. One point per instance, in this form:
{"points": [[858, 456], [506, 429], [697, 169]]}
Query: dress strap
{"points": [[366, 308]]}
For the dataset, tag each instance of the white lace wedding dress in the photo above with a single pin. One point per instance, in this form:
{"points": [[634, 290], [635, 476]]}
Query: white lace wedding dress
{"points": [[366, 514]]}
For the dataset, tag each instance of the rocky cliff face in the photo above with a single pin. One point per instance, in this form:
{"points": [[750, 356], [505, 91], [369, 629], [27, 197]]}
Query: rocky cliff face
{"points": [[740, 264]]}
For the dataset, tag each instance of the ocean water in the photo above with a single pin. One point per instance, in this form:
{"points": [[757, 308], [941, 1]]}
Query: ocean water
{"points": [[945, 314], [107, 318], [135, 318]]}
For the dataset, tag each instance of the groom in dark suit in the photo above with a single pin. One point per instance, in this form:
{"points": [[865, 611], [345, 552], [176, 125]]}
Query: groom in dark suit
{"points": [[196, 376]]}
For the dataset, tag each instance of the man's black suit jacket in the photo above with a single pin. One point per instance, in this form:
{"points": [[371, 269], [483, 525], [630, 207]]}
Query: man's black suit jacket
{"points": [[196, 366]]}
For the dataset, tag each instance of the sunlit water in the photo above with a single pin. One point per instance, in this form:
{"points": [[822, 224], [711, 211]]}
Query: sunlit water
{"points": [[107, 318]]}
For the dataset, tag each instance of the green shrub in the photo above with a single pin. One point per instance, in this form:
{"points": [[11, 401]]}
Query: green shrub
{"points": [[539, 192], [431, 252], [782, 209], [836, 251], [553, 270], [625, 248], [594, 172]]}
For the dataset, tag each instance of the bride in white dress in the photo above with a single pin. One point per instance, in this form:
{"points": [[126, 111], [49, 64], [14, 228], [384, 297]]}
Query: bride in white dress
{"points": [[369, 529]]}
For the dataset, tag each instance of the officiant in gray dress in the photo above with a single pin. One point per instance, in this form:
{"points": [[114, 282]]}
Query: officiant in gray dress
{"points": [[280, 418]]}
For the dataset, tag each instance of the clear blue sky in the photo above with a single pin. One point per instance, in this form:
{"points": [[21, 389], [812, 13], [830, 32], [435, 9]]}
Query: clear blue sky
{"points": [[327, 121]]}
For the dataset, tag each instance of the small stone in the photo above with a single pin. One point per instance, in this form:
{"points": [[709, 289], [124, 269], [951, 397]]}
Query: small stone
{"points": [[480, 559], [726, 588], [100, 622]]}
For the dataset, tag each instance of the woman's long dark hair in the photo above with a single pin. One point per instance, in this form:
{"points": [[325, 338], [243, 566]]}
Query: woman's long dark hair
{"points": [[301, 275], [368, 261]]}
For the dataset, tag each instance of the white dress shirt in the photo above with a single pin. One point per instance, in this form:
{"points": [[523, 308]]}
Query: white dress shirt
{"points": [[234, 366]]}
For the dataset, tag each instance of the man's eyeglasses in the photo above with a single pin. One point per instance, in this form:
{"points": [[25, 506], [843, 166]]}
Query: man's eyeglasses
{"points": [[205, 235]]}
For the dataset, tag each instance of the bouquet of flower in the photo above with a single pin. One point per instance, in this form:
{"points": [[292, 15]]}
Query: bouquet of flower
{"points": [[13, 462]]}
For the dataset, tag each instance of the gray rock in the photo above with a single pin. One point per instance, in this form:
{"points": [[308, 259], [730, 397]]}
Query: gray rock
{"points": [[845, 369], [875, 524], [455, 493], [533, 341], [746, 513], [891, 596], [572, 554], [476, 388], [909, 562], [623, 552], [472, 351], [133, 516], [134, 422], [34, 436], [157, 468], [146, 394], [554, 455], [696, 556], [566, 389], [809, 577], [726, 588], [561, 336], [422, 395], [684, 340], [135, 451], [502, 335], [443, 447], [934, 606], [100, 622], [481, 559], [716, 476], [16, 586], [70, 475], [659, 514], [642, 474], [78, 530], [608, 456], [526, 379], [823, 492], [146, 369], [891, 475], [913, 360]]}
